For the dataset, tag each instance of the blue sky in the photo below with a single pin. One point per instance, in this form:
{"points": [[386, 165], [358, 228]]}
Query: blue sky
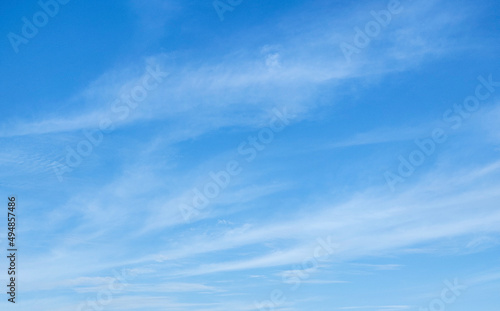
{"points": [[253, 155]]}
